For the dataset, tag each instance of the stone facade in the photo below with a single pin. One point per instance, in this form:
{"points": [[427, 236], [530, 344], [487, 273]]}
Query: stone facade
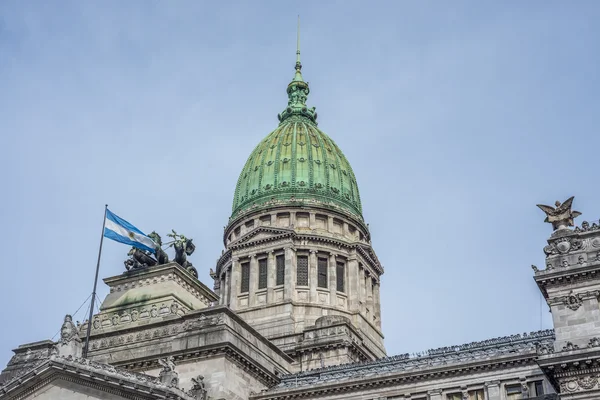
{"points": [[341, 278]]}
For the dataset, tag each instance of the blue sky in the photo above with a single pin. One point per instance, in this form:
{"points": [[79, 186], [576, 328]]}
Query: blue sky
{"points": [[457, 117]]}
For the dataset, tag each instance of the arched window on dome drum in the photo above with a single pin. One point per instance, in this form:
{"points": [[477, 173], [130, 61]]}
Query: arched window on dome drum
{"points": [[322, 273], [302, 271]]}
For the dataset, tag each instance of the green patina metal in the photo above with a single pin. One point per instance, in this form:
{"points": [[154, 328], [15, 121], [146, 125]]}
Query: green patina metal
{"points": [[297, 162]]}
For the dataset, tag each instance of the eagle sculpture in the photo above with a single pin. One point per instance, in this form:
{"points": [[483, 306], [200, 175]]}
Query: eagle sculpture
{"points": [[561, 216]]}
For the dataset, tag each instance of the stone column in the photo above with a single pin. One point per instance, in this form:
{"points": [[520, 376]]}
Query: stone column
{"points": [[312, 276], [271, 271], [289, 286], [332, 280], [312, 220], [330, 224], [273, 219], [352, 286], [362, 292], [234, 286], [492, 390], [377, 304], [292, 219], [253, 281], [369, 294]]}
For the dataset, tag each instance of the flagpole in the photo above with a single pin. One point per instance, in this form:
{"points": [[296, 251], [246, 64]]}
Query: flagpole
{"points": [[89, 327]]}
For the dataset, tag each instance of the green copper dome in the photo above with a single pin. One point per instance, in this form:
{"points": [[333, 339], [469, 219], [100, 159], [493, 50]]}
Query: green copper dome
{"points": [[297, 164]]}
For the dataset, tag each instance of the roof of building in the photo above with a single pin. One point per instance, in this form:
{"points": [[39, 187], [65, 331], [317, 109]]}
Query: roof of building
{"points": [[108, 376], [297, 163], [483, 350]]}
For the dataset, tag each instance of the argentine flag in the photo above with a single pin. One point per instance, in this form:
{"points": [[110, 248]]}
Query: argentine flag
{"points": [[121, 231]]}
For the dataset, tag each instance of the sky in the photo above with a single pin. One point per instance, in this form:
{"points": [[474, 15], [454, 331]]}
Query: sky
{"points": [[457, 118]]}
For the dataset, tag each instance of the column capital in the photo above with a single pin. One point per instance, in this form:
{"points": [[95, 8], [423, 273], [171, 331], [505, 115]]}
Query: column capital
{"points": [[235, 259], [254, 255], [314, 251]]}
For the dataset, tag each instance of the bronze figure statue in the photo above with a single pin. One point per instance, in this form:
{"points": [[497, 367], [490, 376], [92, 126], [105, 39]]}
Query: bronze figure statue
{"points": [[183, 247], [160, 254]]}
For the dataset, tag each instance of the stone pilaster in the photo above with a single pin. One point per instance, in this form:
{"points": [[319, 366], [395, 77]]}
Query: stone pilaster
{"points": [[226, 289], [332, 280], [271, 276], [435, 394], [492, 390], [362, 291], [234, 287], [312, 276], [369, 295], [353, 286], [377, 304], [253, 280], [289, 287]]}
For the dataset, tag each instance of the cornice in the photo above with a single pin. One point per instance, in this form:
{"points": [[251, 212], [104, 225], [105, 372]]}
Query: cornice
{"points": [[561, 276], [259, 211], [311, 388], [145, 276]]}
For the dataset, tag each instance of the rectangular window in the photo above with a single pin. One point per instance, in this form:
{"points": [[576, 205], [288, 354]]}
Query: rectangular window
{"points": [[262, 273], [454, 396], [340, 276], [322, 273], [513, 392], [245, 278], [476, 394], [280, 264], [538, 388], [302, 271]]}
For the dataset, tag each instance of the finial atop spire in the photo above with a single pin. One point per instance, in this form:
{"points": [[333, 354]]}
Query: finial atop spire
{"points": [[298, 91], [298, 76]]}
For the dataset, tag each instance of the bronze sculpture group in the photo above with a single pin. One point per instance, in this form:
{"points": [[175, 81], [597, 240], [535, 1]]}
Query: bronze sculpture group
{"points": [[182, 245]]}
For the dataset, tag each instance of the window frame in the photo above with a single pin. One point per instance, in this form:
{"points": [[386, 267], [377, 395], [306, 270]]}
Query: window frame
{"points": [[279, 270], [340, 279], [245, 277], [322, 273], [263, 273], [302, 273]]}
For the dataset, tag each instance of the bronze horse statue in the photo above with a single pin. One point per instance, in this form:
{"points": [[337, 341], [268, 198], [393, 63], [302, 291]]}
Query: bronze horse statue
{"points": [[138, 259]]}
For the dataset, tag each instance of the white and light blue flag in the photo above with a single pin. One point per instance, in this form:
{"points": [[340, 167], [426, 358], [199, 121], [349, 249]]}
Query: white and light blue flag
{"points": [[121, 231]]}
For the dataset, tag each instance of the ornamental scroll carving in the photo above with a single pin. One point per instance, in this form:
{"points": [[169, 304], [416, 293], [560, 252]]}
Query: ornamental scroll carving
{"points": [[579, 384], [563, 245], [574, 300]]}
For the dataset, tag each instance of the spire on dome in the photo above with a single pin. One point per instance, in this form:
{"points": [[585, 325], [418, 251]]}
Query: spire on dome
{"points": [[298, 91], [298, 76]]}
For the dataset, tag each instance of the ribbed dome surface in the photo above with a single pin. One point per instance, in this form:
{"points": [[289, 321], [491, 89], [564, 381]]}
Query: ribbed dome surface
{"points": [[297, 163]]}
